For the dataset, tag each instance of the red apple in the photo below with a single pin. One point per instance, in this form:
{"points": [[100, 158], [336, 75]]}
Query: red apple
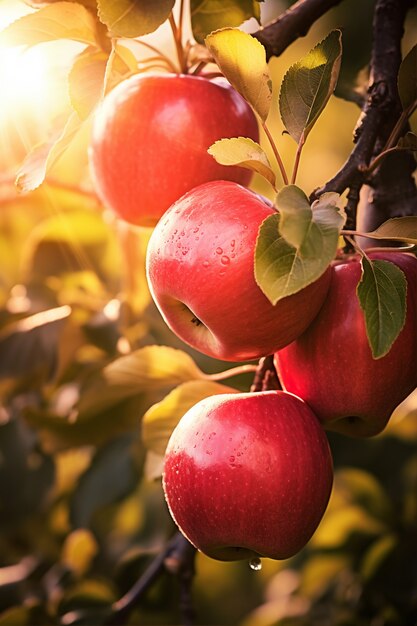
{"points": [[331, 366], [150, 139], [248, 475], [200, 265]]}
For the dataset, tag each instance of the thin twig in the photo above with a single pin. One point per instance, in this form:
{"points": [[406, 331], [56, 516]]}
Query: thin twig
{"points": [[266, 377]]}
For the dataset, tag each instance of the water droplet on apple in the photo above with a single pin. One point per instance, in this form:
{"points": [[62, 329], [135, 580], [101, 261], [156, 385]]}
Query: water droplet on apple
{"points": [[255, 564], [233, 243], [231, 459], [219, 250], [225, 260], [206, 263], [196, 229]]}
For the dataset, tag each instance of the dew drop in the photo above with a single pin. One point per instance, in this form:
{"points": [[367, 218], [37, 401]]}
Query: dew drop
{"points": [[206, 263], [231, 459], [225, 260], [219, 250], [196, 229], [255, 564], [233, 243]]}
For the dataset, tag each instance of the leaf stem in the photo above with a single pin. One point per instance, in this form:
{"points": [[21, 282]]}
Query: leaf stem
{"points": [[297, 159], [178, 44], [160, 54], [276, 153]]}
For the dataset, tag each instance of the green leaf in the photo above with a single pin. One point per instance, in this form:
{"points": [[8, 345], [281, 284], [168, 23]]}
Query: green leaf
{"points": [[382, 294], [407, 80], [86, 82], [133, 18], [145, 370], [161, 419], [308, 85], [296, 245], [40, 160], [61, 20], [397, 229], [210, 15], [242, 60], [111, 476], [245, 153]]}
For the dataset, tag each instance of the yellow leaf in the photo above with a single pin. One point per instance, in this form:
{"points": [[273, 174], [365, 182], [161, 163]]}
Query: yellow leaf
{"points": [[78, 551], [160, 420], [245, 153], [242, 60]]}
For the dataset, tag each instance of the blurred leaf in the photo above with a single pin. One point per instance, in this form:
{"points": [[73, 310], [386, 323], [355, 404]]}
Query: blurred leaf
{"points": [[86, 82], [16, 616], [120, 65], [360, 487], [61, 20], [376, 554], [320, 571], [242, 60], [133, 18], [397, 229], [62, 432], [74, 241], [403, 422], [296, 245], [308, 85], [160, 420], [26, 473], [338, 526], [145, 370], [79, 549], [33, 342], [40, 160], [245, 153], [110, 477], [408, 142], [90, 593], [407, 80], [209, 15], [382, 293]]}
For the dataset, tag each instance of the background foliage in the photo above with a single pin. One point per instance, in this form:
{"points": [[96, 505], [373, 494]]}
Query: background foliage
{"points": [[80, 517]]}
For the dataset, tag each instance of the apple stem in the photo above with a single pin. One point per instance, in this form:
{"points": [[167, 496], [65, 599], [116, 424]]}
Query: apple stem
{"points": [[297, 159], [178, 44], [276, 153], [160, 55], [233, 371]]}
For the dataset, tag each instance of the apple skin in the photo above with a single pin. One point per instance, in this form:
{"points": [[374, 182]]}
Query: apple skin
{"points": [[248, 475], [200, 268], [150, 139], [331, 366]]}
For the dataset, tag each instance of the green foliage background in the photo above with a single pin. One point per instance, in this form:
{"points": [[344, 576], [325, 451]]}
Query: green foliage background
{"points": [[79, 518]]}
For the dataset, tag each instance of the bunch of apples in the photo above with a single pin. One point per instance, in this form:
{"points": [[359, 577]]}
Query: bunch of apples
{"points": [[248, 474]]}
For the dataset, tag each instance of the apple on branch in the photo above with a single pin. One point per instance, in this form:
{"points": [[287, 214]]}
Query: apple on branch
{"points": [[200, 268], [331, 365], [248, 475], [150, 140]]}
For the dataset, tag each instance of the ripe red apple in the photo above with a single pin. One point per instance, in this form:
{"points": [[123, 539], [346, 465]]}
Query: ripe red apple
{"points": [[331, 366], [248, 475], [200, 266], [150, 139]]}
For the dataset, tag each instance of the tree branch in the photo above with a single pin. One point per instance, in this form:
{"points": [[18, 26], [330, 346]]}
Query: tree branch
{"points": [[380, 113], [293, 23]]}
